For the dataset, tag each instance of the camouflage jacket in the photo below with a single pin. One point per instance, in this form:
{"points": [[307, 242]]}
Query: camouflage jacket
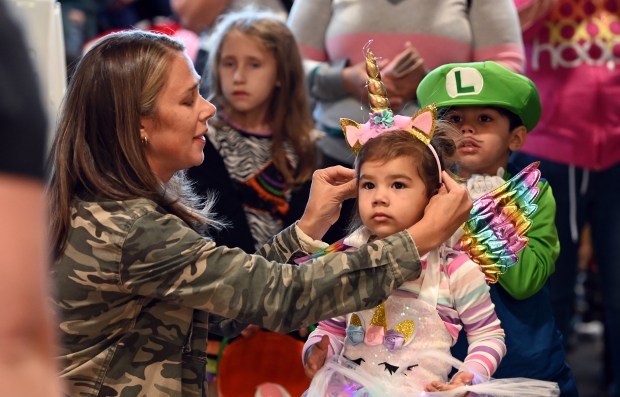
{"points": [[135, 285]]}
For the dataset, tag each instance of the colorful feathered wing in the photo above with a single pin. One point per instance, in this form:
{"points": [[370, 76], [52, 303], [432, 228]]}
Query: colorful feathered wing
{"points": [[495, 232]]}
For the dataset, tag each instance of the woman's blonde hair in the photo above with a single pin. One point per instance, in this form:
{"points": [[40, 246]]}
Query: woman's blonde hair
{"points": [[97, 153], [291, 120]]}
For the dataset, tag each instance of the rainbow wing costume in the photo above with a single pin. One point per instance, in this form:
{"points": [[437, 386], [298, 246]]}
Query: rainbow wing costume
{"points": [[495, 232]]}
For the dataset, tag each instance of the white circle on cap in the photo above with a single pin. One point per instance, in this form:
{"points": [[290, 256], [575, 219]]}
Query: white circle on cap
{"points": [[463, 81]]}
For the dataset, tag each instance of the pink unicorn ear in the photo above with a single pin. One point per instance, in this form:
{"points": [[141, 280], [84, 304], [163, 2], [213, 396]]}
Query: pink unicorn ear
{"points": [[423, 123]]}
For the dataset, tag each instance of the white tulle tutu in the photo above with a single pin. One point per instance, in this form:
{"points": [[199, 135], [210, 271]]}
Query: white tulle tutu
{"points": [[340, 377]]}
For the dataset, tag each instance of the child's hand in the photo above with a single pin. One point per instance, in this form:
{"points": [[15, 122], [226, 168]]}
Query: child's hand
{"points": [[459, 380], [315, 357]]}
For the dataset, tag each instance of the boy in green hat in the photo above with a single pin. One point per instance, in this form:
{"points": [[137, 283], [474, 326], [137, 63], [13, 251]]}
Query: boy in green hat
{"points": [[494, 109]]}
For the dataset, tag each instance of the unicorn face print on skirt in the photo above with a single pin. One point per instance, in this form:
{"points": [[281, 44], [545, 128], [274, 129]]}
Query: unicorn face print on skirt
{"points": [[386, 342]]}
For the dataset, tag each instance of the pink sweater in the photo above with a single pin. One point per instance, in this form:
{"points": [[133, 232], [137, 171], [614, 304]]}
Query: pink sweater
{"points": [[573, 55]]}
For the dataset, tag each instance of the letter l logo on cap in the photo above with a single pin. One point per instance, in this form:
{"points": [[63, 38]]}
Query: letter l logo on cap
{"points": [[459, 87], [463, 81]]}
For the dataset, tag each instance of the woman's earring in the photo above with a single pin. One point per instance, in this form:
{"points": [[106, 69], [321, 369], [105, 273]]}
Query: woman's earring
{"points": [[145, 140]]}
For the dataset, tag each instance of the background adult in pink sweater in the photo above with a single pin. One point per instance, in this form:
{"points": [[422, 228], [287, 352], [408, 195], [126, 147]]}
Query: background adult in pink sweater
{"points": [[573, 53]]}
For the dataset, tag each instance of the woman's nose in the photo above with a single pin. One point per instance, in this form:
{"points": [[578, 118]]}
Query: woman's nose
{"points": [[208, 110]]}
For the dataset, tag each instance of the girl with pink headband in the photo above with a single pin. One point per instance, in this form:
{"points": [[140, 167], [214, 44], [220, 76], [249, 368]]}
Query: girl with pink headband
{"points": [[399, 168], [402, 346]]}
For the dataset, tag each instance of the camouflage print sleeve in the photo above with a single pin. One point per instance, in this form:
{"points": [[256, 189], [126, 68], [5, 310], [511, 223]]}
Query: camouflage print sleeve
{"points": [[223, 326], [165, 259]]}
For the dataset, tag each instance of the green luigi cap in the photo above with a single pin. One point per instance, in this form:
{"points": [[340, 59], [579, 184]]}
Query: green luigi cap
{"points": [[481, 84]]}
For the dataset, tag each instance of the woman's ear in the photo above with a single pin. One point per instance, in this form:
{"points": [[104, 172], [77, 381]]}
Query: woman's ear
{"points": [[517, 138]]}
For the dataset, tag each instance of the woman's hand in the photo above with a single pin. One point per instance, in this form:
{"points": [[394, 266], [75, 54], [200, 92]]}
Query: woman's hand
{"points": [[330, 187], [444, 214], [315, 357]]}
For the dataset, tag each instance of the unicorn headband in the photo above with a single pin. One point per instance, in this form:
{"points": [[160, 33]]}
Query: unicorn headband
{"points": [[422, 125]]}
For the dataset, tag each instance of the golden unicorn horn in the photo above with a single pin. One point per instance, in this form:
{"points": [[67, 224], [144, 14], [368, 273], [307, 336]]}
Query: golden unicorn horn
{"points": [[377, 96]]}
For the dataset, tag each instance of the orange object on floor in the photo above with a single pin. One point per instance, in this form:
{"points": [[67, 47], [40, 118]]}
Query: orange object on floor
{"points": [[263, 357]]}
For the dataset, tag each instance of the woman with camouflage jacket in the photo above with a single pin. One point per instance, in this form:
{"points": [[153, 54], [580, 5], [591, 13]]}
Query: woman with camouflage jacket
{"points": [[135, 278]]}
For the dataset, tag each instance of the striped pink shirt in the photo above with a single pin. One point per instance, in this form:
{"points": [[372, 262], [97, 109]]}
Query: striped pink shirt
{"points": [[463, 302]]}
